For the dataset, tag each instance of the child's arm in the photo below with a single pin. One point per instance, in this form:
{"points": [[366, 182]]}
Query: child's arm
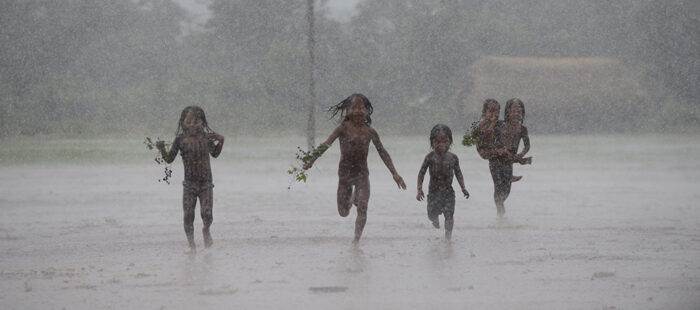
{"points": [[460, 178], [334, 135], [170, 155], [386, 158], [421, 175], [217, 149]]}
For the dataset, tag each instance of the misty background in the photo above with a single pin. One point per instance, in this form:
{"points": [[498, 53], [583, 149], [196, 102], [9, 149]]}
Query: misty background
{"points": [[81, 68]]}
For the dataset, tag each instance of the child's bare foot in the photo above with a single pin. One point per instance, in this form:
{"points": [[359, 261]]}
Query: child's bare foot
{"points": [[355, 243], [448, 236], [191, 251], [436, 223], [516, 178]]}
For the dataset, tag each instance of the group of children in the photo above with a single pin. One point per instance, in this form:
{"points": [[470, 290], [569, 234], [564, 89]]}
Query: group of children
{"points": [[499, 142]]}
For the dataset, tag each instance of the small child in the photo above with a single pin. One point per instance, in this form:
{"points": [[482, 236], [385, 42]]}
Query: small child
{"points": [[355, 134], [196, 141], [442, 165]]}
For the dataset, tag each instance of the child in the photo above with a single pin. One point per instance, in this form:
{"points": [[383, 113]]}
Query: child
{"points": [[195, 140], [443, 166], [508, 135], [355, 134], [488, 129]]}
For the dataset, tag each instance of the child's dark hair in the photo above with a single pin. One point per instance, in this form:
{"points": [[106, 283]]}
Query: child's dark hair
{"points": [[437, 129], [509, 104], [343, 106], [199, 113], [489, 103]]}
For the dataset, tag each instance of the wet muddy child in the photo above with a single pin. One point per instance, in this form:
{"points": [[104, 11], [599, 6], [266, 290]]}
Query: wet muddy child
{"points": [[355, 134], [500, 143], [442, 166], [195, 141]]}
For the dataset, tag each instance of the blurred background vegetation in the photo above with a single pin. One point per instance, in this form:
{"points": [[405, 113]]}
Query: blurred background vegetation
{"points": [[84, 68]]}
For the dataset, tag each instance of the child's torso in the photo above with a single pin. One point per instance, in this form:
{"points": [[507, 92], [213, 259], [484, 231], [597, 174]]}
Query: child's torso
{"points": [[354, 147], [195, 158], [441, 169], [509, 136]]}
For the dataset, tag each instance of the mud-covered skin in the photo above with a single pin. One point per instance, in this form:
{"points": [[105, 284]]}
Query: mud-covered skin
{"points": [[355, 136], [195, 146], [443, 166]]}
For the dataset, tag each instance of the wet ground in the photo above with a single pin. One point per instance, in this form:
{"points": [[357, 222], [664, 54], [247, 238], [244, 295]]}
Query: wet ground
{"points": [[596, 223]]}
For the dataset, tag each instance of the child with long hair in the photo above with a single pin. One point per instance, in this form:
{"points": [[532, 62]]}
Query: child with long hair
{"points": [[443, 166], [499, 144], [195, 141], [355, 134]]}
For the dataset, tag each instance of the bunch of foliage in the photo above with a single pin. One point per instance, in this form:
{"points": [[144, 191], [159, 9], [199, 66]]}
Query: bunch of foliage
{"points": [[304, 157], [471, 136], [168, 171]]}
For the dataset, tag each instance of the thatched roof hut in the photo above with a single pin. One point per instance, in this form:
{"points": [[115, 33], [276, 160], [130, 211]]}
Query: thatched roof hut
{"points": [[560, 94]]}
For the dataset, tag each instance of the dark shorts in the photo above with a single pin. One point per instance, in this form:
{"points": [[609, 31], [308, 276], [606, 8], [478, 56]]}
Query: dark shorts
{"points": [[440, 202]]}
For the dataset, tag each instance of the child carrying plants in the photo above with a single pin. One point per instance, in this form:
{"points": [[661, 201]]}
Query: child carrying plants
{"points": [[442, 166], [195, 141], [355, 134], [499, 144]]}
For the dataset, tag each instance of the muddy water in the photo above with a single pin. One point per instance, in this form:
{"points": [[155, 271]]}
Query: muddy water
{"points": [[596, 223]]}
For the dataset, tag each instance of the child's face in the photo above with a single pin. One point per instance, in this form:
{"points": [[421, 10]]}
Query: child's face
{"points": [[492, 113], [516, 113], [442, 143], [357, 111], [192, 123]]}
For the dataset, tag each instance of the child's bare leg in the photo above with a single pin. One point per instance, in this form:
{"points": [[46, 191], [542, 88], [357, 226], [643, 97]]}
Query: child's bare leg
{"points": [[449, 222], [500, 208], [362, 200], [189, 200], [344, 198], [502, 175], [206, 202]]}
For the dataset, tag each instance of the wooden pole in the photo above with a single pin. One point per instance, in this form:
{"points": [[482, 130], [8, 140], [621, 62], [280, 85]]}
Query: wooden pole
{"points": [[311, 125]]}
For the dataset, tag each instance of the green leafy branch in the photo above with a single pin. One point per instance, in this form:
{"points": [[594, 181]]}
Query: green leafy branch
{"points": [[168, 171], [305, 157], [472, 137]]}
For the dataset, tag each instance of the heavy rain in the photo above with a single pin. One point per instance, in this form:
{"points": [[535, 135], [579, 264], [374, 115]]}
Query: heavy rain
{"points": [[604, 217]]}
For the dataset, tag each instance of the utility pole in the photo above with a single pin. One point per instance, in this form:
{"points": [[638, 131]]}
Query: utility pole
{"points": [[311, 125]]}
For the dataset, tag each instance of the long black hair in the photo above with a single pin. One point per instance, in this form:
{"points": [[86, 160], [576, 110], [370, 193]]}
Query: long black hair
{"points": [[509, 104], [437, 129], [343, 106], [199, 112], [489, 103]]}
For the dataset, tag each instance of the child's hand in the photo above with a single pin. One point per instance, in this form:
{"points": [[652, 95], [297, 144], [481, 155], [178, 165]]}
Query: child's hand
{"points": [[160, 144], [217, 136], [466, 193], [420, 195], [399, 181], [307, 166]]}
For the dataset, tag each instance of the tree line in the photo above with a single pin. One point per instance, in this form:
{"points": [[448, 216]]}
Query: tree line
{"points": [[123, 67]]}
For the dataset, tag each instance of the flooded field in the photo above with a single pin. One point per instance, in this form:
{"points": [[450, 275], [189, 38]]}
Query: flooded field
{"points": [[598, 222]]}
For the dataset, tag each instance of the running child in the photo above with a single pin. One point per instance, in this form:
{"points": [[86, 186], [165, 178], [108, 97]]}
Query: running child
{"points": [[442, 165], [355, 134], [195, 141], [508, 136]]}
